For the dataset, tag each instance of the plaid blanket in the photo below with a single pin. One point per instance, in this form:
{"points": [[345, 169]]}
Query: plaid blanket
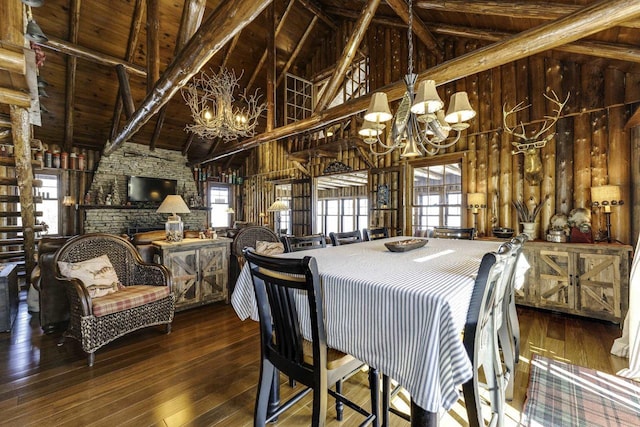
{"points": [[562, 394]]}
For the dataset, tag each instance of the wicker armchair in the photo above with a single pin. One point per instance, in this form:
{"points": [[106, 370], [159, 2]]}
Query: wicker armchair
{"points": [[246, 238], [145, 298]]}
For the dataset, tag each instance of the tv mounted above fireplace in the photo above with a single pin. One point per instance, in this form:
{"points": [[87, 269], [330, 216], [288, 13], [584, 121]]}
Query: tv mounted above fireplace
{"points": [[145, 190]]}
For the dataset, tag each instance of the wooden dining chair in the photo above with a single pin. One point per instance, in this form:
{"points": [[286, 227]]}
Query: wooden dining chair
{"points": [[480, 339], [345, 237], [454, 233], [375, 233], [303, 243], [508, 324], [280, 283]]}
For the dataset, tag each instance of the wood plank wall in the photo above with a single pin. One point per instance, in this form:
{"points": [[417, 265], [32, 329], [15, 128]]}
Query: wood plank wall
{"points": [[591, 146]]}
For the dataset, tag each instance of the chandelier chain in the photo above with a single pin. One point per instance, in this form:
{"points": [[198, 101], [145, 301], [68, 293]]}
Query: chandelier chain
{"points": [[410, 39]]}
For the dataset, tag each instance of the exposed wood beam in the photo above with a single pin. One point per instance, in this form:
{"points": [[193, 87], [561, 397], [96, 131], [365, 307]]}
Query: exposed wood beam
{"points": [[379, 20], [271, 67], [515, 9], [348, 54], [188, 143], [299, 166], [212, 35], [153, 44], [156, 131], [365, 156], [596, 17], [70, 84], [67, 48], [134, 31], [401, 8], [125, 91], [14, 97], [634, 120], [591, 48], [230, 49], [296, 51], [263, 58], [12, 58], [313, 8], [214, 146], [192, 13]]}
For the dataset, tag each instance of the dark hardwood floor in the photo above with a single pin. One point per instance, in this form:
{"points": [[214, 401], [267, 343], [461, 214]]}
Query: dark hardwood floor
{"points": [[205, 372]]}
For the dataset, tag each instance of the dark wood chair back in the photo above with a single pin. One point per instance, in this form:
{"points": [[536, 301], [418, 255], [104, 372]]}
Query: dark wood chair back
{"points": [[280, 284], [375, 233], [454, 233], [345, 238], [303, 243]]}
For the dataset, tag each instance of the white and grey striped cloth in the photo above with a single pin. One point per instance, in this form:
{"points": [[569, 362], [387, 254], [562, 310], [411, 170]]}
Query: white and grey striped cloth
{"points": [[401, 312]]}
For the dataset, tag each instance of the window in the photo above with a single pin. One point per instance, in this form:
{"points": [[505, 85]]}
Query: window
{"points": [[219, 202], [299, 99], [50, 202], [342, 214], [437, 196]]}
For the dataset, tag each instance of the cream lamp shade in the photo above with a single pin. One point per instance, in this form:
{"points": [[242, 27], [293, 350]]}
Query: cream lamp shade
{"points": [[459, 110], [378, 110], [427, 100], [67, 201], [606, 196], [278, 206], [476, 200], [173, 204]]}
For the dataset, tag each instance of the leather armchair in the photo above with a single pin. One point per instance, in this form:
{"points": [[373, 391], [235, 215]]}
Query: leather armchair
{"points": [[54, 305]]}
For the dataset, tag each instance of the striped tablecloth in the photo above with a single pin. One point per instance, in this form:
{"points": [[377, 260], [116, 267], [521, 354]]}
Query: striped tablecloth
{"points": [[401, 312]]}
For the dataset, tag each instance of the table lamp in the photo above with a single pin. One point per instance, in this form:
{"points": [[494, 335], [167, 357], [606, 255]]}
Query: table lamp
{"points": [[604, 197], [174, 204], [277, 207], [476, 201]]}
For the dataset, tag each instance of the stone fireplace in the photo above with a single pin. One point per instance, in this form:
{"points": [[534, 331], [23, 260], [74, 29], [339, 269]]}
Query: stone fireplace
{"points": [[111, 176]]}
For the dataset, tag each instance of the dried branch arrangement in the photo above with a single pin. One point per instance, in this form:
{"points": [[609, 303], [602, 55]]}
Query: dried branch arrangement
{"points": [[528, 215]]}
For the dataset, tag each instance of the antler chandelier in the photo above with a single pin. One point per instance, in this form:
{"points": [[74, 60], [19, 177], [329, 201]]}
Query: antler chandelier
{"points": [[214, 109], [420, 125]]}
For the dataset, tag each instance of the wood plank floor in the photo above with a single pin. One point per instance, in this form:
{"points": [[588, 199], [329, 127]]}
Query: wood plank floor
{"points": [[204, 373]]}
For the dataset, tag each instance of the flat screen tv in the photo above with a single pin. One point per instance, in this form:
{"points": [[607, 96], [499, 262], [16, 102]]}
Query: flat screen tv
{"points": [[142, 189]]}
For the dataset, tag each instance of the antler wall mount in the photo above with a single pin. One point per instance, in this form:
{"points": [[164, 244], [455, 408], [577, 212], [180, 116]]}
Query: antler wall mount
{"points": [[531, 145]]}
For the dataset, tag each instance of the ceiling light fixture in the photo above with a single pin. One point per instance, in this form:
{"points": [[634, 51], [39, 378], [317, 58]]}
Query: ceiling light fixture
{"points": [[215, 110], [420, 126]]}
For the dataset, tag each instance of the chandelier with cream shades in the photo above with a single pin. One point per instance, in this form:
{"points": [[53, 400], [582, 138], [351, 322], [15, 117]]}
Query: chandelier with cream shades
{"points": [[420, 125], [216, 111]]}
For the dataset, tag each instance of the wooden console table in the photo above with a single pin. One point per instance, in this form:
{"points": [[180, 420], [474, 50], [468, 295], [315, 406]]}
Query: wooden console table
{"points": [[589, 280], [199, 269]]}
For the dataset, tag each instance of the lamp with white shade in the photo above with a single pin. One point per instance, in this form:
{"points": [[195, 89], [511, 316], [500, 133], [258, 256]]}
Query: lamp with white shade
{"points": [[277, 207], [174, 204], [605, 196], [475, 202]]}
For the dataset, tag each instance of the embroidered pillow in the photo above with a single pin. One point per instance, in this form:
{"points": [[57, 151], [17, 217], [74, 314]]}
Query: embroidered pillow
{"points": [[97, 274], [269, 248]]}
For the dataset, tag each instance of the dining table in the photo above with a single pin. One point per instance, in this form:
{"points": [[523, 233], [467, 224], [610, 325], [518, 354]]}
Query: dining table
{"points": [[399, 312]]}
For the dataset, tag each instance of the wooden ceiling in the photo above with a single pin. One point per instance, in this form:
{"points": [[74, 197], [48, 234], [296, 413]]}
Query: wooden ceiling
{"points": [[87, 38]]}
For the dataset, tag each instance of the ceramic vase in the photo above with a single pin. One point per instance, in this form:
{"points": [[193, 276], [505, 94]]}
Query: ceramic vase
{"points": [[529, 228]]}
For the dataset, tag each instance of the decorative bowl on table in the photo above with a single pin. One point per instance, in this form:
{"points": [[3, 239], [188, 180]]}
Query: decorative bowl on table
{"points": [[406, 245], [502, 233]]}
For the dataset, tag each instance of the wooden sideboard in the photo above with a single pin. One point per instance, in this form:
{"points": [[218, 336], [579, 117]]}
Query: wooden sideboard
{"points": [[589, 280], [199, 269], [9, 298]]}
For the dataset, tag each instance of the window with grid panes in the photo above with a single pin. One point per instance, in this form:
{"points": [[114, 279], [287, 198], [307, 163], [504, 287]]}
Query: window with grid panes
{"points": [[342, 214], [437, 196], [219, 202]]}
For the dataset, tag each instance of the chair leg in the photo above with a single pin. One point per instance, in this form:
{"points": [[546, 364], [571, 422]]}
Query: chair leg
{"points": [[386, 386], [339, 404], [168, 328], [374, 387], [91, 357], [319, 414], [264, 390]]}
